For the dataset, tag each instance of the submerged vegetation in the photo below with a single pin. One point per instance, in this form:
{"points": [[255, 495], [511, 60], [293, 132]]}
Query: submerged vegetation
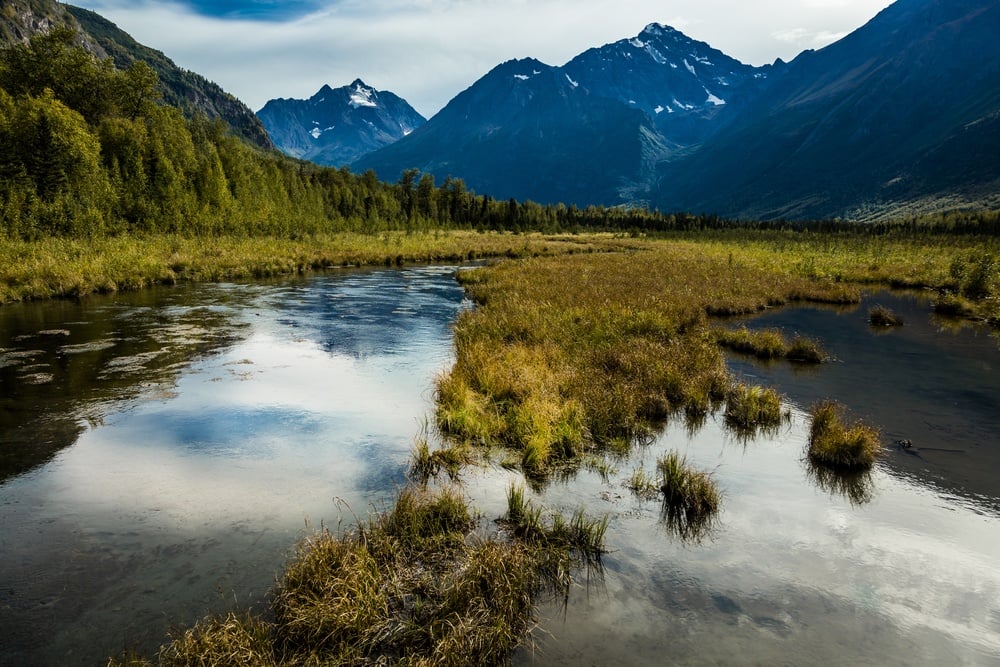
{"points": [[690, 497], [833, 444]]}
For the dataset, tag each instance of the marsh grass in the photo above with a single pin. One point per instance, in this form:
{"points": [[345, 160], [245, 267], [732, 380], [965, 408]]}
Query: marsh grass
{"points": [[880, 316], [579, 534], [643, 485], [56, 267], [751, 409], [835, 445], [415, 584], [691, 498], [426, 464], [768, 344]]}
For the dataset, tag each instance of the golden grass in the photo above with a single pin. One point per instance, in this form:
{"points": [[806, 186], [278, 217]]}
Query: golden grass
{"points": [[414, 585], [833, 444]]}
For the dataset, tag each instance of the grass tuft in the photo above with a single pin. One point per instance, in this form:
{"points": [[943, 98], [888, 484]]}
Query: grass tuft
{"points": [[691, 497], [833, 444], [880, 316], [750, 408]]}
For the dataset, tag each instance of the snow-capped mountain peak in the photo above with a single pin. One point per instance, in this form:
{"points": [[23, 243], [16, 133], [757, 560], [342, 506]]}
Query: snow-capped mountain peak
{"points": [[362, 95]]}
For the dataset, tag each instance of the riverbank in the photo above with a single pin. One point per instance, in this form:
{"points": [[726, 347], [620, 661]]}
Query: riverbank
{"points": [[70, 267]]}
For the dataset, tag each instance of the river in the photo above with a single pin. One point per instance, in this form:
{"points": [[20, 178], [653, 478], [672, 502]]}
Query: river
{"points": [[163, 451]]}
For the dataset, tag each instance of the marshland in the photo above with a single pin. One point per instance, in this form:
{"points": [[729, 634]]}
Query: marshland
{"points": [[581, 417]]}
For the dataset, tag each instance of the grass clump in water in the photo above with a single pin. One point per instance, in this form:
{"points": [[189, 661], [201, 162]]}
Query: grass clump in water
{"points": [[750, 408], [579, 534], [770, 344], [805, 351], [835, 445], [414, 585], [880, 316], [426, 464], [763, 343], [691, 497]]}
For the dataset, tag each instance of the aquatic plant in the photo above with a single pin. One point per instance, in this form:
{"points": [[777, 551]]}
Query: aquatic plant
{"points": [[642, 484], [880, 316], [770, 344], [761, 343], [833, 444], [691, 497], [580, 534], [750, 408], [805, 350], [426, 464]]}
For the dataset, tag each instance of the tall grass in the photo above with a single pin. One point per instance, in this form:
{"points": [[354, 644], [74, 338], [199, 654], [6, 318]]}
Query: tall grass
{"points": [[691, 498], [880, 316], [770, 344], [750, 408], [835, 445]]}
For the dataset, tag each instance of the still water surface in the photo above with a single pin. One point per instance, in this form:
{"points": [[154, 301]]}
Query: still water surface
{"points": [[162, 451]]}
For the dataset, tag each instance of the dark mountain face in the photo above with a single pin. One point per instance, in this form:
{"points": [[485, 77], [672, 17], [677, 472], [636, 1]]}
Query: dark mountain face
{"points": [[682, 84], [526, 130], [903, 109], [337, 126]]}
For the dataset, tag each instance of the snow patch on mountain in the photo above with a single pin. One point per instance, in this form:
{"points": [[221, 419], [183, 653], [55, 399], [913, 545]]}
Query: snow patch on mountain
{"points": [[362, 97], [712, 99]]}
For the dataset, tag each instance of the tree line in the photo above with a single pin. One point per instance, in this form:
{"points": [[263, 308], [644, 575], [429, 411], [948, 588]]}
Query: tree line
{"points": [[87, 149]]}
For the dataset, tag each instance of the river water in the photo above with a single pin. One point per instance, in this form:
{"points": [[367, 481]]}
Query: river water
{"points": [[162, 452]]}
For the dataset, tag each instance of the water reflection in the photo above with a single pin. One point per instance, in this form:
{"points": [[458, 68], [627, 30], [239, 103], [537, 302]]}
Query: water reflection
{"points": [[857, 486], [201, 432], [792, 573], [936, 387]]}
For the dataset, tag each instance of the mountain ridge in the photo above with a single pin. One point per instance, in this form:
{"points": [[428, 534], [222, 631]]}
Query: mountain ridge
{"points": [[900, 110]]}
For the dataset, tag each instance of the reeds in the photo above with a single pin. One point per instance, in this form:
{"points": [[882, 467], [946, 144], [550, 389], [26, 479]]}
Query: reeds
{"points": [[691, 498], [880, 316], [750, 408], [835, 445], [770, 344]]}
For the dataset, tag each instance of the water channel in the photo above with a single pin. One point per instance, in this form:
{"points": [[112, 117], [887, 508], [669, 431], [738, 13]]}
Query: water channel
{"points": [[161, 452]]}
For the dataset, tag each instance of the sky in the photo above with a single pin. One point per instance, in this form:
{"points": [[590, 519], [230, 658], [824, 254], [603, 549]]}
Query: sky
{"points": [[428, 51]]}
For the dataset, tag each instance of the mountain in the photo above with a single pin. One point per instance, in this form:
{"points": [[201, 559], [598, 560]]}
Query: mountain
{"points": [[901, 115], [527, 130], [903, 112], [190, 92], [338, 125], [589, 132]]}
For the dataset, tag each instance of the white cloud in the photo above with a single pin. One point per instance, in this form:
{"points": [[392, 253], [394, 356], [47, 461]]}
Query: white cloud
{"points": [[430, 50]]}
